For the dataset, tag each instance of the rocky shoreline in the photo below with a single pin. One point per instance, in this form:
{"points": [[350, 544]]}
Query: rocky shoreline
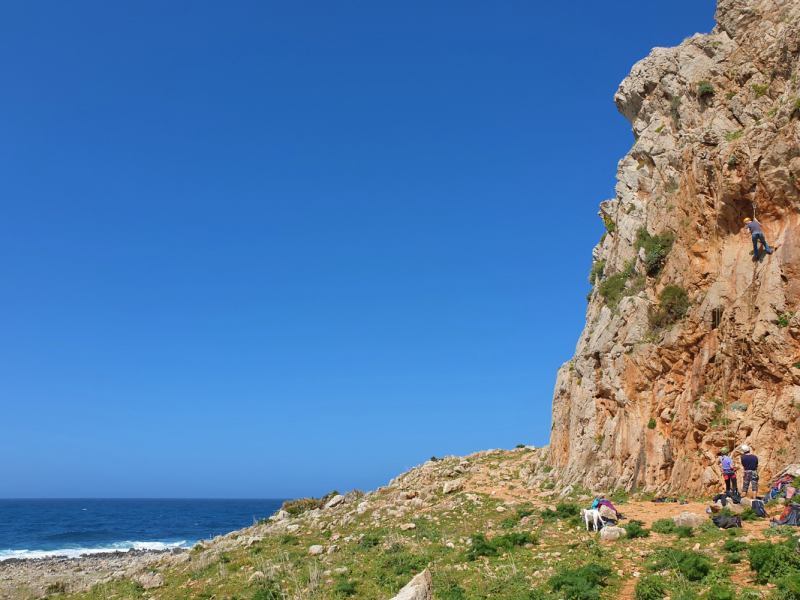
{"points": [[36, 577]]}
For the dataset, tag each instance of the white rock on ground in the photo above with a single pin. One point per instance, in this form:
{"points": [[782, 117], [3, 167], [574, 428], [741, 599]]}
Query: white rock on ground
{"points": [[316, 550], [418, 588], [453, 486], [151, 580], [611, 533], [689, 519], [335, 501]]}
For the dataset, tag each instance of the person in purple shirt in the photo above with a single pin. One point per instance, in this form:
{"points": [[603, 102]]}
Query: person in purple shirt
{"points": [[754, 227], [728, 474], [750, 465]]}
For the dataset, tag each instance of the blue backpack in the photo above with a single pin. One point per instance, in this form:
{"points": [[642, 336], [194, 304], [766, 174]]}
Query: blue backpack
{"points": [[758, 508]]}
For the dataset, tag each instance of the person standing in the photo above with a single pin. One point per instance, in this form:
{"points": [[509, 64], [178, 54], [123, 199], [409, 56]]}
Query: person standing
{"points": [[728, 474], [750, 466], [754, 227]]}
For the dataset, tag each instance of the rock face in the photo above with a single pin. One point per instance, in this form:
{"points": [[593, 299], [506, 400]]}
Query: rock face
{"points": [[648, 402]]}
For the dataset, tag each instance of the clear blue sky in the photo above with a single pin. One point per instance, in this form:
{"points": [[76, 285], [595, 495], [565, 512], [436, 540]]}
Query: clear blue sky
{"points": [[267, 249]]}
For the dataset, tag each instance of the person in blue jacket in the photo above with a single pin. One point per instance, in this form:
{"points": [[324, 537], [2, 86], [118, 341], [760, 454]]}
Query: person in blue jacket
{"points": [[728, 474], [754, 227]]}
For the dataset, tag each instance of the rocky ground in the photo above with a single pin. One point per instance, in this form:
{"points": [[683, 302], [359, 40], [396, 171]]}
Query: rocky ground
{"points": [[473, 527]]}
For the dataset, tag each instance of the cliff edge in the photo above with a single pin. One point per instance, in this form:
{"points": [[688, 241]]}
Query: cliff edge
{"points": [[690, 343]]}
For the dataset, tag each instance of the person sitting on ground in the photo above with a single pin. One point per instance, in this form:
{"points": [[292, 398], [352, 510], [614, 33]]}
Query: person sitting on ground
{"points": [[728, 474], [750, 465], [754, 227]]}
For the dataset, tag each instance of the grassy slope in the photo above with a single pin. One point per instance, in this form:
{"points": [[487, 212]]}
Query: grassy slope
{"points": [[376, 557]]}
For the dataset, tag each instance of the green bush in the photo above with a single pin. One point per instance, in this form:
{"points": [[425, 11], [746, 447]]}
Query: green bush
{"points": [[611, 289], [509, 523], [749, 515], [562, 511], [789, 587], [774, 561], [692, 565], [301, 505], [719, 592], [610, 225], [483, 547], [597, 271], [651, 424], [704, 89], [760, 90], [369, 541], [734, 546], [673, 306], [402, 563], [580, 583], [344, 587], [664, 526], [634, 529], [656, 248], [684, 531], [650, 588]]}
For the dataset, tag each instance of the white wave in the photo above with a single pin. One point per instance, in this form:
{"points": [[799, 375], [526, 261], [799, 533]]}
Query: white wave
{"points": [[74, 552]]}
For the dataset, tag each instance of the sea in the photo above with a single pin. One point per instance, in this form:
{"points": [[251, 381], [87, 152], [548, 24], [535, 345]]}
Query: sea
{"points": [[39, 528]]}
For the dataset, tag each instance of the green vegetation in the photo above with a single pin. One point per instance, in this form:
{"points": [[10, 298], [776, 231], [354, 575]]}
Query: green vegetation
{"points": [[660, 129], [652, 423], [732, 160], [673, 306], [651, 587], [301, 505], [760, 90], [783, 321], [772, 562], [730, 95], [674, 110], [705, 89], [609, 224], [483, 547], [656, 248], [581, 583], [684, 531], [691, 565], [734, 135], [597, 271], [562, 511], [664, 526], [634, 529]]}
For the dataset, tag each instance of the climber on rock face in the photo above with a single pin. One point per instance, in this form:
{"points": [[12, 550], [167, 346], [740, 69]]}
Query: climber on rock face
{"points": [[754, 227], [728, 474], [750, 465]]}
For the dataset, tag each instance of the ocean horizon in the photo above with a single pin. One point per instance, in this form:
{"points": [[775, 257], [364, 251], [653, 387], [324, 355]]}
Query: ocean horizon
{"points": [[38, 528]]}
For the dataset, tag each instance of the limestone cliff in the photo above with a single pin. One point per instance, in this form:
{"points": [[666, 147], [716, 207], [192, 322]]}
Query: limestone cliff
{"points": [[717, 128]]}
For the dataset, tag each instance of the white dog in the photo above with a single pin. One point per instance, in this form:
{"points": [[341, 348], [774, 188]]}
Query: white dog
{"points": [[594, 516]]}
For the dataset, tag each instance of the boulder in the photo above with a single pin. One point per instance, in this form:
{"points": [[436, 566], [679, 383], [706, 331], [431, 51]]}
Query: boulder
{"points": [[151, 580], [687, 519], [316, 550], [747, 502], [333, 549], [736, 509], [418, 588], [335, 501], [611, 533], [407, 526], [453, 486]]}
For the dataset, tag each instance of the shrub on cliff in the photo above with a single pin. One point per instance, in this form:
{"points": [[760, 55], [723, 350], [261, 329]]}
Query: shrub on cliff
{"points": [[301, 505], [656, 248], [673, 306]]}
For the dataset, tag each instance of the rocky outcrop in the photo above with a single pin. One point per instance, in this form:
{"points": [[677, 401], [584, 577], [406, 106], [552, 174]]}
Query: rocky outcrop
{"points": [[418, 588], [646, 402]]}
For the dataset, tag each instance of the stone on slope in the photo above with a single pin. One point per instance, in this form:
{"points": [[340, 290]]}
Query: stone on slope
{"points": [[418, 588], [335, 501], [453, 486], [151, 580], [316, 550]]}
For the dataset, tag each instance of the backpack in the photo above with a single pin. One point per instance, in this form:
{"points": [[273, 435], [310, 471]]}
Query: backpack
{"points": [[726, 522], [735, 497], [758, 508]]}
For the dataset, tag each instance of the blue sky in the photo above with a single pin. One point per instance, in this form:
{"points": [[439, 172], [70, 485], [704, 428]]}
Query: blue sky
{"points": [[268, 249]]}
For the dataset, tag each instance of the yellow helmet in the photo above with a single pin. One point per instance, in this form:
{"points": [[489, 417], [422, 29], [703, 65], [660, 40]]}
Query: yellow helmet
{"points": [[747, 219]]}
